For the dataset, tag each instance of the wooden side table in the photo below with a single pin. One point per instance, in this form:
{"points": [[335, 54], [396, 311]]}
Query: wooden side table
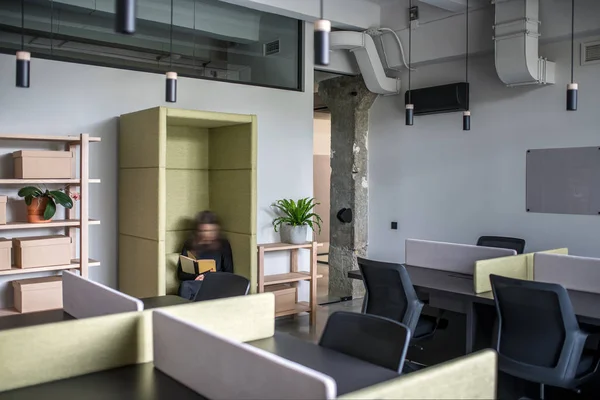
{"points": [[280, 284]]}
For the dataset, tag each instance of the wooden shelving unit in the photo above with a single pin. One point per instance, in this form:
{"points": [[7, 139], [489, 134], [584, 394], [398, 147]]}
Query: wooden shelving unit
{"points": [[293, 277], [76, 227]]}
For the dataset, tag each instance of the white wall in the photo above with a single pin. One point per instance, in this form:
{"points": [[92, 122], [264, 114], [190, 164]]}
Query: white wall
{"points": [[69, 98], [442, 183]]}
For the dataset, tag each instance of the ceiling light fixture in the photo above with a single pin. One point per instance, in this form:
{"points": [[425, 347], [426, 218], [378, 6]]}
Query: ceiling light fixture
{"points": [[322, 30], [467, 113], [410, 107], [23, 57], [125, 16], [572, 88], [171, 87]]}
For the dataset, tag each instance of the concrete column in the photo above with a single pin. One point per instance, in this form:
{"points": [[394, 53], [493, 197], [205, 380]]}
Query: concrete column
{"points": [[349, 101]]}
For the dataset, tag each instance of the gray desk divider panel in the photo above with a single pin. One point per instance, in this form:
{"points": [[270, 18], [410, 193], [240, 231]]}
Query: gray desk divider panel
{"points": [[217, 367], [572, 272], [452, 257], [83, 298], [564, 181]]}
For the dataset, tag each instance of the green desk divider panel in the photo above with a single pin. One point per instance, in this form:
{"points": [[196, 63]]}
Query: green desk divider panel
{"points": [[519, 267], [45, 353], [466, 378], [173, 164]]}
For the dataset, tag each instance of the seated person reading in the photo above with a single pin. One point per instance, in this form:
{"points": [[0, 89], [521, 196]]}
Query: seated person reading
{"points": [[206, 243]]}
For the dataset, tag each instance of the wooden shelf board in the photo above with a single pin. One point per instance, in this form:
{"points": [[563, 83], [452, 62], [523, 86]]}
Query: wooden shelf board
{"points": [[8, 311], [287, 278], [301, 306], [54, 224], [74, 265], [44, 181], [286, 246], [43, 138]]}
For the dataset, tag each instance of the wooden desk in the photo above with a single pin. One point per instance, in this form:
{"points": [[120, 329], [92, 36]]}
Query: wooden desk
{"points": [[349, 373], [454, 292], [134, 382]]}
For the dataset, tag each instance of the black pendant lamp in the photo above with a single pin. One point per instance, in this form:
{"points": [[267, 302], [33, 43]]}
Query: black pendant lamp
{"points": [[572, 87], [171, 86], [410, 107], [23, 57], [322, 30], [467, 113], [125, 14]]}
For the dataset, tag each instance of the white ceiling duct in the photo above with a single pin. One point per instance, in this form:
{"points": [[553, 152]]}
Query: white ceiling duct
{"points": [[369, 63], [516, 38]]}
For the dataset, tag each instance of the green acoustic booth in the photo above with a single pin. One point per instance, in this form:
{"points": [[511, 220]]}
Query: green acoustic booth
{"points": [[174, 163]]}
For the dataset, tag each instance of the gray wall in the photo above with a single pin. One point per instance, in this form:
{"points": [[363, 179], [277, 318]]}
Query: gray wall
{"points": [[67, 98], [441, 183]]}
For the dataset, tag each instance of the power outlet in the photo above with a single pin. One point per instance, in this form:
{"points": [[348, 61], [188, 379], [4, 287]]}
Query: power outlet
{"points": [[394, 225]]}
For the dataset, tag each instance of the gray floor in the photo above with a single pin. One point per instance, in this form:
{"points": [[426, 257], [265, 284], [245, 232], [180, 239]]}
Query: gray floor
{"points": [[445, 345]]}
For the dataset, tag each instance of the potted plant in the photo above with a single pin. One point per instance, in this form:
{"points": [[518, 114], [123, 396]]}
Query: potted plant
{"points": [[41, 203], [295, 218]]}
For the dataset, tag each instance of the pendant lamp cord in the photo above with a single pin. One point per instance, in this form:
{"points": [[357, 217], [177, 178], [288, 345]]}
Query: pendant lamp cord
{"points": [[409, 51], [322, 9], [194, 38], [51, 28], [22, 24], [572, 38], [467, 41], [171, 40]]}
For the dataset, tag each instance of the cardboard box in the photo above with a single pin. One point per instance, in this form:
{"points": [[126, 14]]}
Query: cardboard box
{"points": [[43, 164], [42, 251], [285, 297], [38, 294], [5, 248], [3, 200]]}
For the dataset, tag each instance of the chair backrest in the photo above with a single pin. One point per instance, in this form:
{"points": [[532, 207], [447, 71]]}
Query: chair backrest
{"points": [[390, 292], [502, 242], [370, 338], [218, 285], [535, 321]]}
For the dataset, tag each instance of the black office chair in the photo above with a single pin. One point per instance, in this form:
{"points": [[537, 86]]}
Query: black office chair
{"points": [[370, 338], [503, 243], [390, 294], [538, 337], [218, 285]]}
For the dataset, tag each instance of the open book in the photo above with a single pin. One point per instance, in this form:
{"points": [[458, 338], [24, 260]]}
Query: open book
{"points": [[190, 265]]}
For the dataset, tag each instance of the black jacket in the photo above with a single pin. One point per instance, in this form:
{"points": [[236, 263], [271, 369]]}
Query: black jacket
{"points": [[221, 254]]}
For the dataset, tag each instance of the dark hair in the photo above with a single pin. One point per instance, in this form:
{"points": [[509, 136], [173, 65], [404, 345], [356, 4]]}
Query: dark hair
{"points": [[206, 217]]}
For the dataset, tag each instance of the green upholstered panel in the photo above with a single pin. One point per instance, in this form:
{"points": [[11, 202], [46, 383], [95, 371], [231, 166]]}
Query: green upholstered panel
{"points": [[171, 280], [187, 148], [175, 240], [141, 266], [49, 352], [232, 147], [243, 248], [187, 194], [139, 203], [231, 193], [139, 138], [204, 119]]}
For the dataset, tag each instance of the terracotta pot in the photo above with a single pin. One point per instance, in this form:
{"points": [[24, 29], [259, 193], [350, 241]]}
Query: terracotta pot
{"points": [[35, 211]]}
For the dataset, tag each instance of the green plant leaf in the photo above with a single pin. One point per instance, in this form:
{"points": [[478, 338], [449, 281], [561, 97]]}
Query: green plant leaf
{"points": [[50, 209], [28, 200], [296, 213], [31, 191], [61, 198]]}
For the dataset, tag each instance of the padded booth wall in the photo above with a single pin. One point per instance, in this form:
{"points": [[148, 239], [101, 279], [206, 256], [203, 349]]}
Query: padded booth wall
{"points": [[173, 164]]}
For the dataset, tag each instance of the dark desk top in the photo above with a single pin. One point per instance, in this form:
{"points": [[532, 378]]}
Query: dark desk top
{"points": [[163, 301], [134, 382], [586, 305], [349, 373], [49, 316], [35, 318]]}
